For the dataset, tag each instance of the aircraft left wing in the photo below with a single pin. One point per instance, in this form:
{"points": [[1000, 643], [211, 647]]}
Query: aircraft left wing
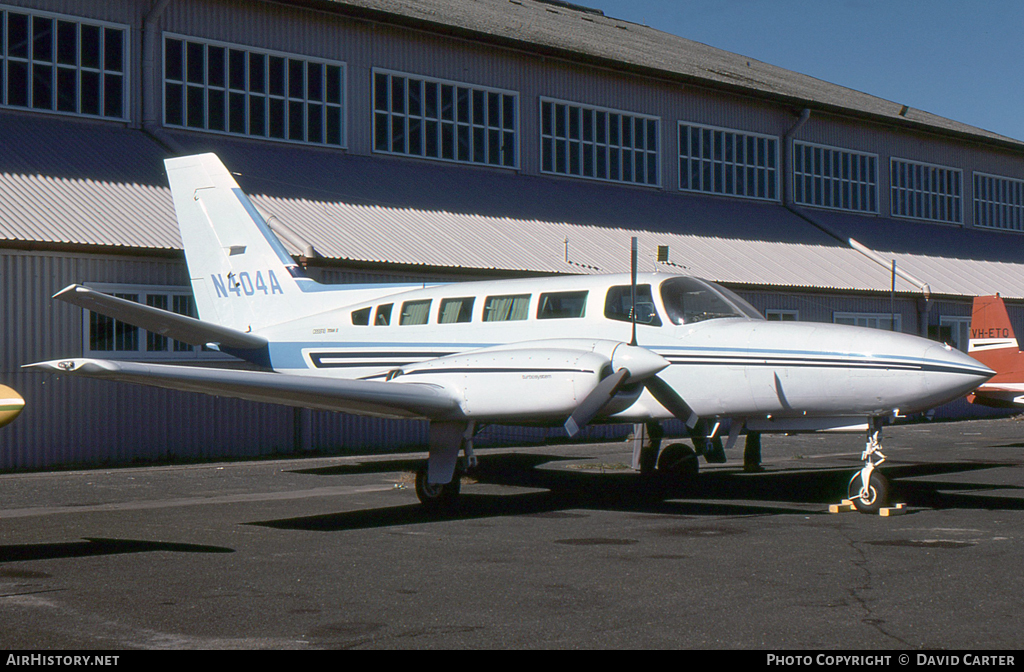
{"points": [[364, 397], [179, 327]]}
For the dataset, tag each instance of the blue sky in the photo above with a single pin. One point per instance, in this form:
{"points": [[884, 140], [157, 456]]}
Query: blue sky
{"points": [[959, 59]]}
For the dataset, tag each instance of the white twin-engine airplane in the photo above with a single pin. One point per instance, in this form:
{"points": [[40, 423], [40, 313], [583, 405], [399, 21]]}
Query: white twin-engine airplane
{"points": [[542, 351]]}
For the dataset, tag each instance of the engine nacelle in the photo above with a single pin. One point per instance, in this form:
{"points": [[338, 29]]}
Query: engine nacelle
{"points": [[532, 384]]}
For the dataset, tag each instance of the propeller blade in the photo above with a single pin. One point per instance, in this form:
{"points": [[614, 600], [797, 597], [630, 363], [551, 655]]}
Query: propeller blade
{"points": [[595, 401], [668, 398], [632, 287]]}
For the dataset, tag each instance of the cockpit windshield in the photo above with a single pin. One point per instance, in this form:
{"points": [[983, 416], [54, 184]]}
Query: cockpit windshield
{"points": [[689, 300]]}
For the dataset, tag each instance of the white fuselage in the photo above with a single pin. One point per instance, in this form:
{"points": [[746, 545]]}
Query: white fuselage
{"points": [[731, 366]]}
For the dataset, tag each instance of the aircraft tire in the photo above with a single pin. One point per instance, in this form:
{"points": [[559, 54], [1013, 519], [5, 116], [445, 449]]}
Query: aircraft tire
{"points": [[679, 461], [878, 490], [436, 497]]}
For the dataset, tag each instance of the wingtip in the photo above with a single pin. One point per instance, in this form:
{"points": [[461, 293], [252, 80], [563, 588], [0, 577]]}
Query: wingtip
{"points": [[70, 289]]}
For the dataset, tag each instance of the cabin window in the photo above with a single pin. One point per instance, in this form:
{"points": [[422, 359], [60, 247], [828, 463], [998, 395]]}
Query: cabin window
{"points": [[361, 317], [560, 305], [618, 305], [455, 310], [507, 308], [383, 316], [689, 300], [415, 312]]}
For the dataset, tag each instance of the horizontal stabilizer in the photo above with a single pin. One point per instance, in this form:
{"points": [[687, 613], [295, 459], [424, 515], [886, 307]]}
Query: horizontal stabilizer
{"points": [[365, 397], [158, 321]]}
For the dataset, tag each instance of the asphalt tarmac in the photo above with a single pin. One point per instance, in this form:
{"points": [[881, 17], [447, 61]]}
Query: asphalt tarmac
{"points": [[550, 547]]}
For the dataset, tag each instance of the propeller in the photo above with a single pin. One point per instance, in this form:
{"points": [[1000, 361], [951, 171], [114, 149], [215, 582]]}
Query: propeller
{"points": [[595, 401]]}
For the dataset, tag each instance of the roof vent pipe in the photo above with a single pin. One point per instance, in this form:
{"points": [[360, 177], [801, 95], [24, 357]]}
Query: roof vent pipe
{"points": [[787, 149], [150, 46]]}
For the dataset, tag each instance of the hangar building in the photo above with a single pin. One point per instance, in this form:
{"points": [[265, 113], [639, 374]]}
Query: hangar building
{"points": [[437, 140]]}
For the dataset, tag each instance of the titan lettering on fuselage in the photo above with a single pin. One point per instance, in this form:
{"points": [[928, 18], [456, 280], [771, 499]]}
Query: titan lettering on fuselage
{"points": [[245, 284]]}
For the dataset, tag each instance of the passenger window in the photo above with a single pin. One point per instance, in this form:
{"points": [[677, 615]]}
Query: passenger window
{"points": [[361, 317], [415, 312], [507, 308], [617, 305], [456, 310], [560, 305], [383, 316]]}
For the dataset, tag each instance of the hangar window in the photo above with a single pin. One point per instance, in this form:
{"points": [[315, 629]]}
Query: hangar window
{"points": [[829, 177], [998, 202], [886, 321], [225, 88], [507, 308], [924, 191], [727, 162], [56, 63], [449, 121], [112, 339], [599, 143]]}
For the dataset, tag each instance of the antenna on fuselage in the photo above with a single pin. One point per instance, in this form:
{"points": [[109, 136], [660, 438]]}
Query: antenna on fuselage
{"points": [[632, 287]]}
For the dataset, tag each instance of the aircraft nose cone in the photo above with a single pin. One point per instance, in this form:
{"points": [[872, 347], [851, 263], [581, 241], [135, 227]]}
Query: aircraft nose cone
{"points": [[960, 373], [640, 362], [965, 365]]}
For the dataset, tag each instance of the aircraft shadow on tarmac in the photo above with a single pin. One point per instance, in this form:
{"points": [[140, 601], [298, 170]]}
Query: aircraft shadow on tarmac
{"points": [[95, 546], [714, 493]]}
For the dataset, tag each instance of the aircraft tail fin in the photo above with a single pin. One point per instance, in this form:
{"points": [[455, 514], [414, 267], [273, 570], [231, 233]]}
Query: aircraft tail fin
{"points": [[242, 276], [991, 331], [994, 344]]}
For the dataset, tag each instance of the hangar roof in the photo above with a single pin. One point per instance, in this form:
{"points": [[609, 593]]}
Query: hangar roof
{"points": [[56, 188], [571, 31]]}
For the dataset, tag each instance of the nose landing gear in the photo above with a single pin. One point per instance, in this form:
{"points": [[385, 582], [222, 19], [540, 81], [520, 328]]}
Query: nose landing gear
{"points": [[869, 489]]}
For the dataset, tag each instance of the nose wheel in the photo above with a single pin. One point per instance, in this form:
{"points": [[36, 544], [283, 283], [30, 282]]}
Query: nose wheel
{"points": [[870, 499]]}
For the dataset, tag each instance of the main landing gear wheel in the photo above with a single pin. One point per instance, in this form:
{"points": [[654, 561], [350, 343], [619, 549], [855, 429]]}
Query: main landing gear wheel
{"points": [[877, 496], [437, 496], [679, 461]]}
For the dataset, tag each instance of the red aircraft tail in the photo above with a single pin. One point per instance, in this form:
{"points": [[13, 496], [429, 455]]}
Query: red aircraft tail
{"points": [[994, 344]]}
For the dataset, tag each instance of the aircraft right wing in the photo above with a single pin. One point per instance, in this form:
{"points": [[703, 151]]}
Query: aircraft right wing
{"points": [[363, 397]]}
